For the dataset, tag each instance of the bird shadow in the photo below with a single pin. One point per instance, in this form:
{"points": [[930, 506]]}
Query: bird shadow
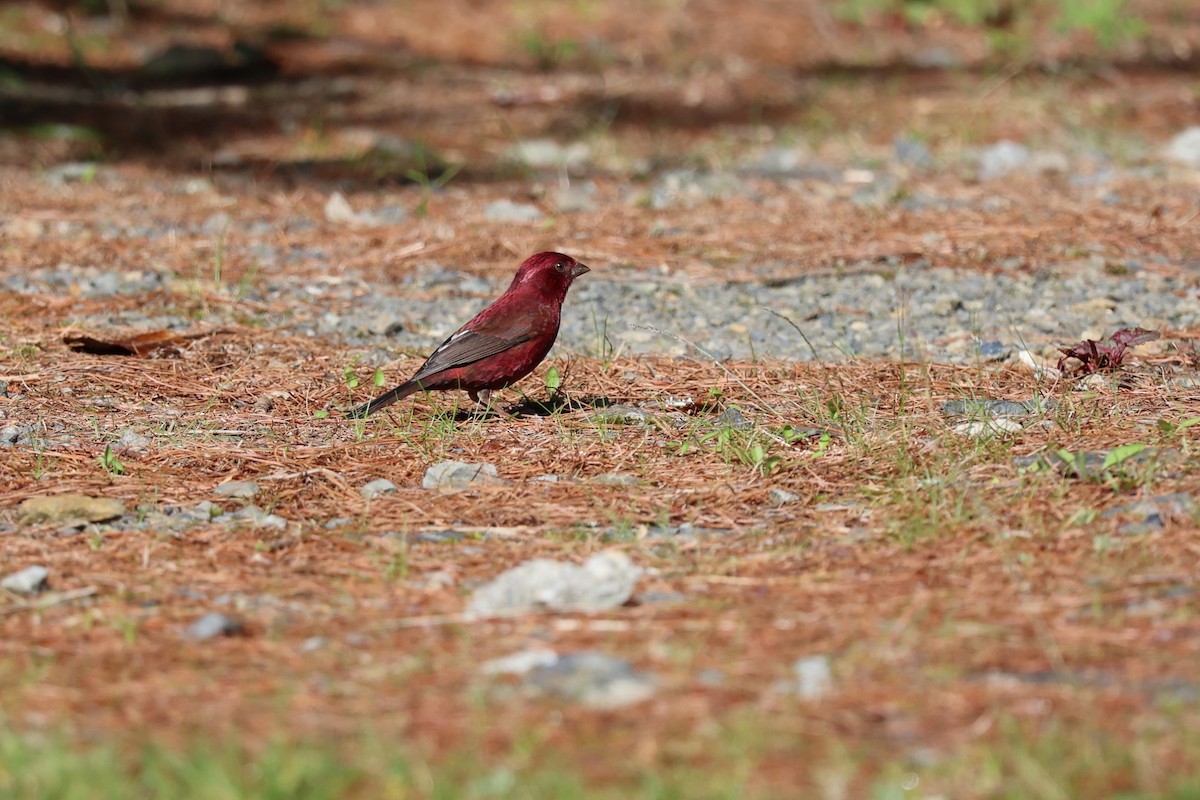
{"points": [[528, 407]]}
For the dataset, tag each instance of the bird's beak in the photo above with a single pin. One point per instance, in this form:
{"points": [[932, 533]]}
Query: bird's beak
{"points": [[579, 269]]}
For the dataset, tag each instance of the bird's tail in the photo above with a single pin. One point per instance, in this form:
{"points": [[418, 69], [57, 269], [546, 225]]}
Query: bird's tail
{"points": [[384, 400]]}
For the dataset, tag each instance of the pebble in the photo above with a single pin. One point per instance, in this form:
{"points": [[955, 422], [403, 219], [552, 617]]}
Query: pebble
{"points": [[1153, 513], [377, 487], [68, 509], [214, 624], [16, 436], [987, 428], [615, 479], [1184, 147], [547, 153], [606, 580], [619, 415], [732, 417], [451, 475], [508, 211], [781, 497], [1002, 158], [995, 408], [132, 442], [237, 489], [257, 516], [593, 679], [30, 580], [814, 679], [520, 663]]}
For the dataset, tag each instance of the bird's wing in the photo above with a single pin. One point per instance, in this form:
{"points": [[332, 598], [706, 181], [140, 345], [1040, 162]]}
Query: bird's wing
{"points": [[467, 347]]}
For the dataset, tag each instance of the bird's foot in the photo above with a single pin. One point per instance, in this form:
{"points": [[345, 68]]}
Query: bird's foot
{"points": [[483, 397]]}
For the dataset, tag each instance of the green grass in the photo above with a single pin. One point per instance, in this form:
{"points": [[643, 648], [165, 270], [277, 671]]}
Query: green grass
{"points": [[1058, 762]]}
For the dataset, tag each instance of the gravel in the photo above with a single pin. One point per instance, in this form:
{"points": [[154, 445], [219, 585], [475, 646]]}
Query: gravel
{"points": [[30, 580], [949, 316]]}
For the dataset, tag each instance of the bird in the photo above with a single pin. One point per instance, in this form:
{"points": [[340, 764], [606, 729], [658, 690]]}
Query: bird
{"points": [[501, 344]]}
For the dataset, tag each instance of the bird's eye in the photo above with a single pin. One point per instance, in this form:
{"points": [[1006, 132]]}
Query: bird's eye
{"points": [[560, 266]]}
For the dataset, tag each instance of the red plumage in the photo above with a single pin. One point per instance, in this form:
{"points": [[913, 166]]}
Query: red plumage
{"points": [[503, 343]]}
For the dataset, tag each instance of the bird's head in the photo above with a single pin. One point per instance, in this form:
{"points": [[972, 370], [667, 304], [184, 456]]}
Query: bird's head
{"points": [[551, 273]]}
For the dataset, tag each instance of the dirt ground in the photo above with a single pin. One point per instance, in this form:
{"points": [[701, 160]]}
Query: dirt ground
{"points": [[988, 628]]}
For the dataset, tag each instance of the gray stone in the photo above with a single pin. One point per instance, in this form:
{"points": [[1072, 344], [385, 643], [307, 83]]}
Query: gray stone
{"points": [[1002, 158], [133, 442], [508, 211], [30, 580], [782, 497], [547, 153], [995, 408], [618, 415], [811, 679], [606, 580], [593, 679], [988, 428], [258, 517], [615, 479], [994, 351], [1184, 148], [16, 435], [377, 487], [1144, 516], [450, 475], [520, 663], [238, 489], [911, 152], [732, 417], [214, 624]]}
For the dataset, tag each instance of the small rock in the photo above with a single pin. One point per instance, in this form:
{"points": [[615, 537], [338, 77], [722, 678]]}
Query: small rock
{"points": [[1153, 512], [30, 580], [732, 417], [1184, 148], [132, 442], [72, 172], [312, 644], [594, 679], [508, 211], [69, 509], [14, 435], [204, 511], [619, 415], [339, 212], [459, 475], [995, 408], [994, 351], [911, 152], [813, 678], [575, 198], [520, 663], [257, 516], [782, 497], [615, 479], [547, 153], [984, 428], [652, 598], [378, 487], [606, 580], [1002, 158], [238, 489], [214, 624]]}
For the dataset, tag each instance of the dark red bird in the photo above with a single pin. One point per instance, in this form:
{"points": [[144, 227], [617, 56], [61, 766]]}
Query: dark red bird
{"points": [[503, 343]]}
